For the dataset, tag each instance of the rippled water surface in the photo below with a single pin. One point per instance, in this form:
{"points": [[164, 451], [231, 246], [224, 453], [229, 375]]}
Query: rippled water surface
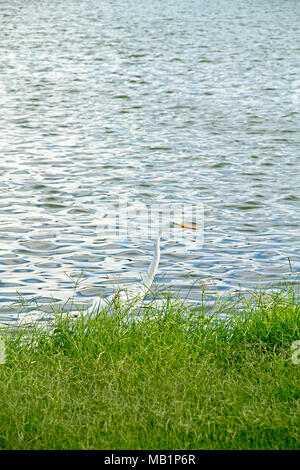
{"points": [[188, 101]]}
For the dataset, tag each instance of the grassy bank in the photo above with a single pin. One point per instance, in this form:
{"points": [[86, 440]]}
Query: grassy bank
{"points": [[174, 379]]}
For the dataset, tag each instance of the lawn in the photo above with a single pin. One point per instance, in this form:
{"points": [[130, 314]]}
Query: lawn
{"points": [[174, 378]]}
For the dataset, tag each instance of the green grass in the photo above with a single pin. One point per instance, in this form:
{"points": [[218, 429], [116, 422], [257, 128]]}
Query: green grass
{"points": [[174, 379]]}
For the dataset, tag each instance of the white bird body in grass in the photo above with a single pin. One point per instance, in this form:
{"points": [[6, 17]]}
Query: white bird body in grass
{"points": [[128, 298]]}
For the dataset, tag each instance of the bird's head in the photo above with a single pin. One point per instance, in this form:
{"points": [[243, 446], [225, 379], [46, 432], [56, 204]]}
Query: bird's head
{"points": [[167, 225], [192, 227]]}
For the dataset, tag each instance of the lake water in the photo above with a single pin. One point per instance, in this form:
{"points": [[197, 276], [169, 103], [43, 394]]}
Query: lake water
{"points": [[156, 102]]}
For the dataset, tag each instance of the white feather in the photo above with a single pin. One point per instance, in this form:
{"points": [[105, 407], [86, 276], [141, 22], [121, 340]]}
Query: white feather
{"points": [[132, 296]]}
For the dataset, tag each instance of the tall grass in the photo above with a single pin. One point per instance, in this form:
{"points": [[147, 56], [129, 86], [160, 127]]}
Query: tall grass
{"points": [[174, 378]]}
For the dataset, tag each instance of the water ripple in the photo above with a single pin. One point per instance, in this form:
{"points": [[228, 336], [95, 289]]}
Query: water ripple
{"points": [[188, 101]]}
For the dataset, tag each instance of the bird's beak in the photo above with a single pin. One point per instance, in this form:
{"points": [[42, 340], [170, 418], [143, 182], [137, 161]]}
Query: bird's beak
{"points": [[185, 226]]}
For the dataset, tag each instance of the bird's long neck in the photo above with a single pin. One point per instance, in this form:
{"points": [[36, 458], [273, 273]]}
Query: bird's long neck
{"points": [[154, 263]]}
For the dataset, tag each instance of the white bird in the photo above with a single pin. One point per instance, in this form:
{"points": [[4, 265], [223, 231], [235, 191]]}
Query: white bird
{"points": [[128, 298]]}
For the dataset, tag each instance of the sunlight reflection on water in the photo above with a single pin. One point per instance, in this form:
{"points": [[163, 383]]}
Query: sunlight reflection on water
{"points": [[190, 102]]}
